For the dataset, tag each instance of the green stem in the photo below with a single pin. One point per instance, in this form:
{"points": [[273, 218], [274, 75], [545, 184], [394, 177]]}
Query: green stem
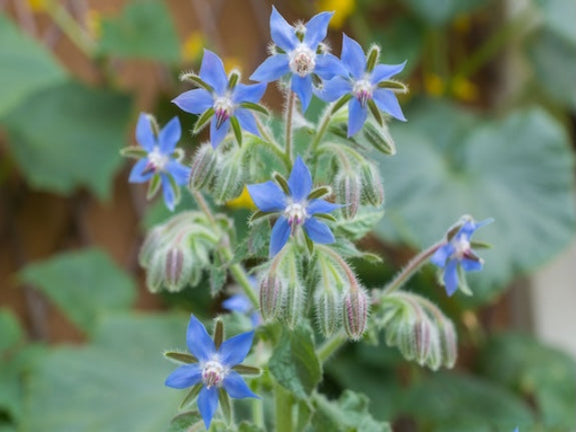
{"points": [[270, 143], [71, 28], [321, 131], [258, 413], [289, 126], [331, 345], [413, 266], [283, 408]]}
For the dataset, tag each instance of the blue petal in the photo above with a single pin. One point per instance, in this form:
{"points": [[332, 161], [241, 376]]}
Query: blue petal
{"points": [[168, 191], [442, 254], [194, 101], [144, 133], [300, 181], [207, 404], [353, 57], [238, 302], [247, 121], [316, 29], [199, 341], [334, 89], [248, 93], [279, 235], [268, 196], [272, 68], [321, 206], [302, 86], [136, 175], [179, 172], [283, 34], [471, 265], [451, 277], [383, 71], [387, 102], [217, 135], [169, 136], [185, 376], [236, 387], [235, 349], [328, 66], [212, 71], [318, 231], [356, 117]]}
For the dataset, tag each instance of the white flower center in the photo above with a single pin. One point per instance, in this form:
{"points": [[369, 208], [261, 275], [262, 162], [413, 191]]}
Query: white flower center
{"points": [[302, 60], [213, 373], [157, 160], [363, 90], [223, 109], [461, 247], [296, 214]]}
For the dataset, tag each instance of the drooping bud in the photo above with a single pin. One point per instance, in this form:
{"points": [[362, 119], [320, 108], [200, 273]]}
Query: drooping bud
{"points": [[230, 180], [177, 268], [327, 304], [422, 339], [448, 343], [203, 167], [271, 293], [348, 191], [293, 302], [372, 187], [355, 313]]}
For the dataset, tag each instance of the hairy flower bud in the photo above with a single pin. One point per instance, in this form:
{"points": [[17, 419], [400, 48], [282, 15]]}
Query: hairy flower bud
{"points": [[230, 180], [271, 293], [372, 187], [448, 343], [327, 304], [421, 337], [348, 189], [203, 167], [355, 313], [177, 268], [293, 302]]}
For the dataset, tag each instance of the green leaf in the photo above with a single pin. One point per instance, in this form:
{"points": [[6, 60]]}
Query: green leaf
{"points": [[451, 402], [27, 66], [10, 332], [349, 413], [249, 427], [518, 170], [362, 224], [70, 136], [184, 422], [545, 375], [83, 284], [114, 384], [440, 12], [143, 30], [294, 363]]}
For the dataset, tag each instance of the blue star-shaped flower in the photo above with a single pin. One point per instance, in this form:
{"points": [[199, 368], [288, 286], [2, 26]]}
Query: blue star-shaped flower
{"points": [[295, 209], [458, 252], [225, 97], [299, 55], [160, 160], [363, 86], [214, 370]]}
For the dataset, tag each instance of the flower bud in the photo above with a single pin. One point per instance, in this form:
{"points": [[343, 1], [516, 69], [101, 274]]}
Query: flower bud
{"points": [[327, 305], [177, 268], [355, 313], [293, 302], [203, 167], [348, 188], [372, 187], [230, 180], [434, 359], [421, 338], [448, 343], [271, 293], [151, 244]]}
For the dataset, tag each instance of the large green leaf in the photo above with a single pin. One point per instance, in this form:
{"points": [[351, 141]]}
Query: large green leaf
{"points": [[26, 66], [450, 402], [518, 170], [10, 331], [143, 30], [84, 284], [294, 363], [546, 375], [440, 12], [115, 384], [69, 136]]}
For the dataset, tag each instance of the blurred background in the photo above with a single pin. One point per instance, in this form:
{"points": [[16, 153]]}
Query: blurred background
{"points": [[490, 132]]}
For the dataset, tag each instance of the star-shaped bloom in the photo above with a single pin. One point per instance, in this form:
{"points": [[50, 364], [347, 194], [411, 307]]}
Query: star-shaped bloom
{"points": [[457, 252], [161, 158], [363, 85], [222, 99], [300, 55], [214, 370], [294, 206]]}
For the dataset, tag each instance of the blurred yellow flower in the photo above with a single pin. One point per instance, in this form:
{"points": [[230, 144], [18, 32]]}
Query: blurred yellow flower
{"points": [[433, 85], [242, 201], [94, 23], [343, 9], [231, 62], [37, 5], [192, 47], [464, 89]]}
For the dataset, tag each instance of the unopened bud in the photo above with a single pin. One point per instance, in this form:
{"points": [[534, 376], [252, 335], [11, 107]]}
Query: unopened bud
{"points": [[434, 359], [230, 180], [150, 246], [327, 304], [355, 313], [348, 188], [270, 296], [448, 343], [293, 296], [177, 269], [203, 167], [421, 336], [155, 274], [372, 187]]}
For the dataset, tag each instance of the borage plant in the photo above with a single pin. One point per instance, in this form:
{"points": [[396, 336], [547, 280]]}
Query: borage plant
{"points": [[316, 191]]}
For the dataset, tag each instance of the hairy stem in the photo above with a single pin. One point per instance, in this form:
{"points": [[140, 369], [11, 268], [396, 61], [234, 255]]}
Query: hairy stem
{"points": [[283, 408], [330, 346], [289, 126]]}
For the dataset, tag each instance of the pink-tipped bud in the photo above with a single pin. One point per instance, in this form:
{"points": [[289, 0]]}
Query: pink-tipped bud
{"points": [[293, 303], [177, 269], [203, 167], [355, 313], [327, 305], [270, 297], [422, 339], [348, 189], [372, 187]]}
